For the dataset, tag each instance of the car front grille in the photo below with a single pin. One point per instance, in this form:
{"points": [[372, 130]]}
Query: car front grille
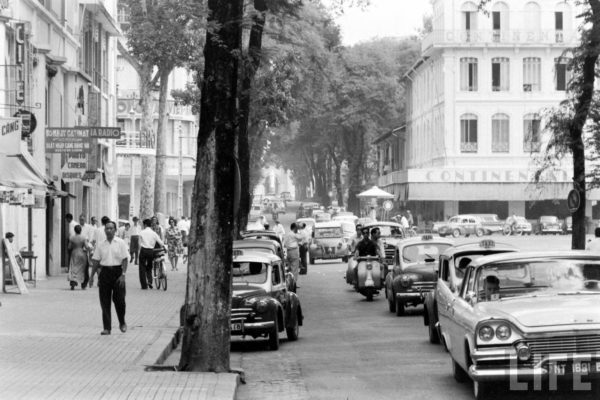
{"points": [[423, 286], [390, 251], [564, 344], [240, 314]]}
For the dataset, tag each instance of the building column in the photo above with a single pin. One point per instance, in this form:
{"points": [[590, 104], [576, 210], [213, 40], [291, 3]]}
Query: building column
{"points": [[450, 208], [517, 208]]}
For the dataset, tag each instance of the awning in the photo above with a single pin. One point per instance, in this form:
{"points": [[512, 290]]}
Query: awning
{"points": [[375, 192], [19, 171]]}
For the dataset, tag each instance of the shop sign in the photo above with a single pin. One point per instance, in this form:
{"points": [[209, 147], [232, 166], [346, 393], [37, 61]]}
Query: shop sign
{"points": [[74, 168], [28, 122], [5, 196], [573, 200], [109, 176], [20, 43], [10, 135], [77, 139], [484, 175]]}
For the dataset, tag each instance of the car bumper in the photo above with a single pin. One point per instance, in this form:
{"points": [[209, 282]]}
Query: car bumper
{"points": [[487, 368], [319, 254], [412, 296], [249, 328], [551, 230]]}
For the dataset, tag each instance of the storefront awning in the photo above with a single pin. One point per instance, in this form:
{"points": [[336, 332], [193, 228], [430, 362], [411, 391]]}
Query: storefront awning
{"points": [[20, 172]]}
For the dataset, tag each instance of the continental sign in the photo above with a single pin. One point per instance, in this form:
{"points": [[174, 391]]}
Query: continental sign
{"points": [[78, 139], [485, 175]]}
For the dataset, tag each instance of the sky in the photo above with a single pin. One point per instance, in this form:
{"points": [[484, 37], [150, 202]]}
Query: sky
{"points": [[382, 18]]}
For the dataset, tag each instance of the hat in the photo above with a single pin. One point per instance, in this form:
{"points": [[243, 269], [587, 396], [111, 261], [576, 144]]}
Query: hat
{"points": [[9, 235]]}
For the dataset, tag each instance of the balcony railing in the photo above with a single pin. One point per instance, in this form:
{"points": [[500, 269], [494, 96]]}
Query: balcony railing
{"points": [[468, 147], [508, 37], [501, 147], [137, 140], [531, 147]]}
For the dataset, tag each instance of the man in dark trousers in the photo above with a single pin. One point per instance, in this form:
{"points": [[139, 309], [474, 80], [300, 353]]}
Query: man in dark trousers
{"points": [[148, 240], [111, 256]]}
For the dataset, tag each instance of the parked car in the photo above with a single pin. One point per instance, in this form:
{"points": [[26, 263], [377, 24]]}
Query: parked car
{"points": [[530, 315], [548, 224], [260, 246], [263, 303], [567, 225], [346, 217], [328, 242], [256, 211], [491, 223], [413, 272], [450, 271], [460, 225], [515, 225]]}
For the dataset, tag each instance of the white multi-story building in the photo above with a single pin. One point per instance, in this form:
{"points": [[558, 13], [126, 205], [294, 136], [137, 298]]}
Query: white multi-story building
{"points": [[58, 64], [474, 104], [181, 141]]}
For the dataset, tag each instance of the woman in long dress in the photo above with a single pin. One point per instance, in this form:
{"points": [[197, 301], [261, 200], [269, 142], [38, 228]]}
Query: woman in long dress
{"points": [[174, 242], [78, 246]]}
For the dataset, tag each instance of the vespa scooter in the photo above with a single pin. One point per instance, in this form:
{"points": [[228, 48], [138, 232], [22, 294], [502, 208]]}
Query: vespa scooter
{"points": [[369, 273]]}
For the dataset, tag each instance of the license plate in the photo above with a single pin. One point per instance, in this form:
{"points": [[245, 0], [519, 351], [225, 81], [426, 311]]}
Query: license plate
{"points": [[577, 367], [237, 326]]}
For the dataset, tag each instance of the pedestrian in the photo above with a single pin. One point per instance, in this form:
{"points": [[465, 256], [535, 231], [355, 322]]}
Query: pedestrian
{"points": [[148, 240], [409, 218], [291, 242], [111, 257], [134, 241], [303, 249], [279, 229], [183, 227], [157, 227], [70, 232], [174, 243], [404, 221], [78, 246], [99, 235], [13, 247], [594, 244]]}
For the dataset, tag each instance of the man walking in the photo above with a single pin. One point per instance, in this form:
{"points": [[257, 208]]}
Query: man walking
{"points": [[148, 240], [99, 235], [111, 257], [303, 248], [291, 242], [87, 232]]}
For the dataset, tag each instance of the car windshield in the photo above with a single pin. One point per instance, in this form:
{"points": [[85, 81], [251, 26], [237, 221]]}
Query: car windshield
{"points": [[521, 220], [348, 228], [323, 217], [489, 218], [548, 219], [539, 277], [423, 252], [454, 220], [257, 249], [388, 230], [328, 233], [250, 272]]}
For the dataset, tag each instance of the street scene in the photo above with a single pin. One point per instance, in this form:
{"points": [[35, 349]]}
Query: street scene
{"points": [[300, 199]]}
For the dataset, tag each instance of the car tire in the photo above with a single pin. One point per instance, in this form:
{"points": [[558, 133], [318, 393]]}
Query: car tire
{"points": [[458, 373], [456, 233], [479, 232], [481, 390], [434, 338], [369, 295], [311, 261], [391, 303], [293, 331], [274, 336], [399, 307]]}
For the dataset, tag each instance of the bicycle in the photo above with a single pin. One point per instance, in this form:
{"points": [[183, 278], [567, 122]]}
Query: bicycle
{"points": [[159, 273]]}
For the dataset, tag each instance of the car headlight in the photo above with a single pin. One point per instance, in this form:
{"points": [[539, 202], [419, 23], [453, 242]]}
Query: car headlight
{"points": [[486, 333], [405, 281], [503, 332], [523, 352], [261, 306]]}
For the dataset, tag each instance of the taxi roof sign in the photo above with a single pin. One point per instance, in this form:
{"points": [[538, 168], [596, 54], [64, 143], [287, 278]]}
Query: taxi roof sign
{"points": [[487, 244], [237, 253], [427, 237]]}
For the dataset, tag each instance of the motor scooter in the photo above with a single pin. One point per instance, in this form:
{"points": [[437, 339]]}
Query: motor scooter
{"points": [[370, 275]]}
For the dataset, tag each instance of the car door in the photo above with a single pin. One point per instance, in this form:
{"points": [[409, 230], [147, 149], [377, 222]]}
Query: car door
{"points": [[278, 284], [452, 324], [444, 297], [462, 314], [441, 282]]}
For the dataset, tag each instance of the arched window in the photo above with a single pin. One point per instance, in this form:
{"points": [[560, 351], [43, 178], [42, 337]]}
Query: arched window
{"points": [[531, 133], [500, 74], [532, 74], [468, 74], [499, 20], [532, 17], [562, 20], [468, 13], [468, 133], [500, 133]]}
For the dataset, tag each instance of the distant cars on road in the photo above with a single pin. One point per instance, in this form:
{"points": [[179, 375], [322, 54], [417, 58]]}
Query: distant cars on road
{"points": [[462, 225]]}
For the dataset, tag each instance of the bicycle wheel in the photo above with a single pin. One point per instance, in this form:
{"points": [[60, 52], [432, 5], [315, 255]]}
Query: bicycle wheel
{"points": [[155, 272], [164, 281]]}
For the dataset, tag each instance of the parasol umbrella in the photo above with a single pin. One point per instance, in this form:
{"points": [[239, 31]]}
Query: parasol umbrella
{"points": [[375, 193]]}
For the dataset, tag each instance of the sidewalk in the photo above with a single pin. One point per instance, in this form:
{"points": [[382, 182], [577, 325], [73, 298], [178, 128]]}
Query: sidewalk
{"points": [[51, 347]]}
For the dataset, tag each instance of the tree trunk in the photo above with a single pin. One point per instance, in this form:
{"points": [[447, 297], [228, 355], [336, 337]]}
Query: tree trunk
{"points": [[582, 108], [160, 185], [355, 147], [206, 330], [251, 65], [337, 177], [147, 139]]}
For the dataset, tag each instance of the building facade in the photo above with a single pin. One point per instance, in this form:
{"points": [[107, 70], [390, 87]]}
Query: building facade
{"points": [[59, 59], [475, 101], [181, 140]]}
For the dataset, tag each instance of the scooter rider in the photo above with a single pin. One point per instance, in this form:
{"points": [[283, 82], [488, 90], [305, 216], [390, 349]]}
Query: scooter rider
{"points": [[365, 248]]}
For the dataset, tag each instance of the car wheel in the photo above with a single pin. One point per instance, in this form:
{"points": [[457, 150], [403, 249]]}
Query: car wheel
{"points": [[479, 232], [433, 333], [369, 295], [456, 233], [506, 230], [293, 331], [481, 390], [458, 373], [311, 261], [391, 304], [274, 336], [399, 308]]}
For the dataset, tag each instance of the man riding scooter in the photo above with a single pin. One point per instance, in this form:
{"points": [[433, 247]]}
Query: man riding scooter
{"points": [[368, 270]]}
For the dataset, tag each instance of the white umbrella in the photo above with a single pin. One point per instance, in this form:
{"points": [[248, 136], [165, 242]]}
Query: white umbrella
{"points": [[376, 193]]}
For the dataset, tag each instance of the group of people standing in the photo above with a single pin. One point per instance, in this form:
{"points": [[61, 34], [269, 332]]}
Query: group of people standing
{"points": [[296, 244]]}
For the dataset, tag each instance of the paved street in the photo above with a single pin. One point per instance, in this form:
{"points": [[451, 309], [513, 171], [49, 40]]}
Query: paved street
{"points": [[353, 349], [51, 347]]}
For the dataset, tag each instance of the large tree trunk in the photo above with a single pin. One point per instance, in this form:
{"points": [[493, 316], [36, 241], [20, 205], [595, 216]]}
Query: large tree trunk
{"points": [[337, 176], [355, 148], [582, 108], [251, 65], [206, 330], [147, 139], [160, 185]]}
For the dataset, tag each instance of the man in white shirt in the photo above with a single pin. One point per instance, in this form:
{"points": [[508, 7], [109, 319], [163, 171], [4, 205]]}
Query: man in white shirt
{"points": [[303, 247], [70, 232], [98, 236], [291, 242], [111, 255], [279, 229], [148, 240], [404, 222], [594, 244], [134, 240]]}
